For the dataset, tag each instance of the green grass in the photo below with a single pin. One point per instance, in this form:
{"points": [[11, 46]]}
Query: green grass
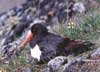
{"points": [[98, 1], [87, 27]]}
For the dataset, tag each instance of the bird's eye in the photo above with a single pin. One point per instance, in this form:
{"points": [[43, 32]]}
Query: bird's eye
{"points": [[34, 31]]}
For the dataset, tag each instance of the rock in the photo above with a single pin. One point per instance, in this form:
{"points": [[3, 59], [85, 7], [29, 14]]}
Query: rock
{"points": [[10, 50], [45, 69], [13, 20], [26, 70], [3, 18], [79, 7], [96, 52], [29, 3], [11, 13], [23, 18], [81, 64], [18, 8], [57, 62], [25, 6]]}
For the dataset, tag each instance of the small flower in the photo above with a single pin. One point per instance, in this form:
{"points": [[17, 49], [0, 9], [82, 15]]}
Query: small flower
{"points": [[71, 25]]}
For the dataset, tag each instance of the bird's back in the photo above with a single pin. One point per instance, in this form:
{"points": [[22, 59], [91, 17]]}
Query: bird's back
{"points": [[49, 46]]}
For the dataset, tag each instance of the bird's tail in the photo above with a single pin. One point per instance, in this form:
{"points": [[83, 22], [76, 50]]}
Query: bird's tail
{"points": [[76, 46]]}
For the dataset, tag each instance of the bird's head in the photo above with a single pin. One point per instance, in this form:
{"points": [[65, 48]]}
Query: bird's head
{"points": [[37, 31]]}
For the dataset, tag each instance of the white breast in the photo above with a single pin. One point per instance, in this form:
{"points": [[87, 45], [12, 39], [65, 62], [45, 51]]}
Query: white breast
{"points": [[36, 52]]}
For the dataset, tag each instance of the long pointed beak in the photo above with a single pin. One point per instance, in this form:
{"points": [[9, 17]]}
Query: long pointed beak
{"points": [[28, 37]]}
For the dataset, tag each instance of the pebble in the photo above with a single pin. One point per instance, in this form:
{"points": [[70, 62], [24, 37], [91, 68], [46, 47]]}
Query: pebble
{"points": [[29, 3], [45, 69], [3, 17], [57, 62], [26, 70], [25, 6], [18, 8], [96, 52], [79, 7], [11, 12]]}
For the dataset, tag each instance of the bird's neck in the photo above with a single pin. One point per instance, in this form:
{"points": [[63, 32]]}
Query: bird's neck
{"points": [[39, 37], [42, 35]]}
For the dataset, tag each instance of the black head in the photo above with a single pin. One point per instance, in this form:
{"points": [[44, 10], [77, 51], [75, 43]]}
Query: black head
{"points": [[39, 29]]}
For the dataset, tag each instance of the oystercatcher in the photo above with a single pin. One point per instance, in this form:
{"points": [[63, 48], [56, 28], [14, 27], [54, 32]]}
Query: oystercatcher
{"points": [[45, 45]]}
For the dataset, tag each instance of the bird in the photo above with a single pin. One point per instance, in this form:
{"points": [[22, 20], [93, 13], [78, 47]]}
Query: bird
{"points": [[45, 45]]}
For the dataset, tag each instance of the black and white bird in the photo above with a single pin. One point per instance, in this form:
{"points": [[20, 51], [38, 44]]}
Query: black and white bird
{"points": [[45, 45]]}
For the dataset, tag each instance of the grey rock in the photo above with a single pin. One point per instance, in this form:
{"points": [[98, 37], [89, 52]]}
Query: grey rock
{"points": [[19, 13], [79, 7], [96, 52], [19, 8], [10, 50], [3, 18], [45, 69], [11, 12], [57, 62], [26, 70]]}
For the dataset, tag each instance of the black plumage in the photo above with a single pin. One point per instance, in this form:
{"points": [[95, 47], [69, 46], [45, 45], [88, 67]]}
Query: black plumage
{"points": [[53, 45]]}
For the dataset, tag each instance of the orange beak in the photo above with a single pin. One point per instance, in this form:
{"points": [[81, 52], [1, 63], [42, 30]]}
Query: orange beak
{"points": [[28, 37]]}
